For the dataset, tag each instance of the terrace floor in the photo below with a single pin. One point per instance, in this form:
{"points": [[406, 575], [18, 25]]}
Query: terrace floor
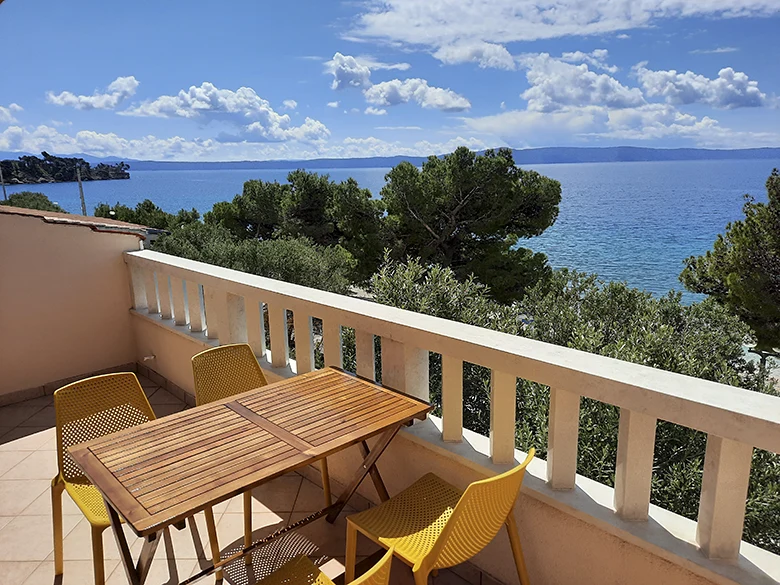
{"points": [[28, 462]]}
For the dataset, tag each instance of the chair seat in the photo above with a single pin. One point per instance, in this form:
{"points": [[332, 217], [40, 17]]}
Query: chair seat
{"points": [[89, 500], [412, 520], [299, 571]]}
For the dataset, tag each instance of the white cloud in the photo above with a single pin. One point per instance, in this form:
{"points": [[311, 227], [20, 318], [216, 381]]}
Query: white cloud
{"points": [[502, 105], [375, 65], [731, 89], [488, 55], [555, 85], [714, 51], [117, 92], [439, 23], [333, 104], [623, 36], [289, 104], [596, 59], [394, 92], [242, 108], [7, 114], [375, 111], [348, 72]]}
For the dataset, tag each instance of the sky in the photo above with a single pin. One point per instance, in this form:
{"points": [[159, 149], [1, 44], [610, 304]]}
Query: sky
{"points": [[249, 80]]}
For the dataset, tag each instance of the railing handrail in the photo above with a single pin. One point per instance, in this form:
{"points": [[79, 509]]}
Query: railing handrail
{"points": [[719, 409]]}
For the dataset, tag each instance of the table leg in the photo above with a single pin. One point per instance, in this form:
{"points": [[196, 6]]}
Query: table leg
{"points": [[136, 573], [381, 490], [363, 470]]}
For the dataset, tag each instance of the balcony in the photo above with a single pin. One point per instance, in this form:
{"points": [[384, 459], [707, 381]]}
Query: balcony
{"points": [[75, 301]]}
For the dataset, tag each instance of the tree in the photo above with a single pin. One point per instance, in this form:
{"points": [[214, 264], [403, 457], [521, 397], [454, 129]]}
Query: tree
{"points": [[742, 271], [32, 200], [148, 214], [295, 260], [577, 310], [308, 206], [467, 211]]}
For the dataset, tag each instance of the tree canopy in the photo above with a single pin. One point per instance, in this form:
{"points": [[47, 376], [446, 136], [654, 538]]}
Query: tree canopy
{"points": [[148, 214], [466, 211], [32, 200], [308, 206], [742, 270]]}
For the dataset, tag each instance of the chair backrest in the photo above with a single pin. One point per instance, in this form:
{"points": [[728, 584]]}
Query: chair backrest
{"points": [[379, 574], [478, 516], [224, 371], [95, 407]]}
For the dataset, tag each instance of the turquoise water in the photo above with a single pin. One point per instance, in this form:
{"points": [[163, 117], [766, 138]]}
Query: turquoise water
{"points": [[633, 221]]}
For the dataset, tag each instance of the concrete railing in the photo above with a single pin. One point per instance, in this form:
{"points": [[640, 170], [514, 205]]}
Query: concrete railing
{"points": [[228, 306]]}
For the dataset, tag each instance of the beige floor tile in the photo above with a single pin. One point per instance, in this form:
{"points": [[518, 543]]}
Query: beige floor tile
{"points": [[13, 415], [42, 506], [77, 545], [230, 529], [43, 418], [17, 494], [276, 496], [448, 577], [190, 543], [38, 465], [161, 410], [15, 572], [74, 573], [5, 520], [163, 397], [29, 538], [330, 539], [310, 497], [10, 459], [26, 438], [333, 567], [47, 400], [238, 573], [162, 572]]}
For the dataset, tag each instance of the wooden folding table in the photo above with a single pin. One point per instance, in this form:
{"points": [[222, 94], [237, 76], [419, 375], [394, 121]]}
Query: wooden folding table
{"points": [[159, 473]]}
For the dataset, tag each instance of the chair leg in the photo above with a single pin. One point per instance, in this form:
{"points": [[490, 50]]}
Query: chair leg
{"points": [[247, 525], [420, 577], [351, 554], [213, 542], [97, 554], [57, 488], [325, 482], [517, 551]]}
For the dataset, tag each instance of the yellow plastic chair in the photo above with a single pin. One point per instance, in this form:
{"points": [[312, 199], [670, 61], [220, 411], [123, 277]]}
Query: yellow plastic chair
{"points": [[433, 525], [85, 410], [222, 372], [301, 571]]}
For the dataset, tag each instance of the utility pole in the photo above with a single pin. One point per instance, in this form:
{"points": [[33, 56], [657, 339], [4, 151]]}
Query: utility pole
{"points": [[81, 190], [2, 182]]}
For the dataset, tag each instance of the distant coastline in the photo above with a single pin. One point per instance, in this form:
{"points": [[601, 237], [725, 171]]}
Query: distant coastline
{"points": [[33, 170]]}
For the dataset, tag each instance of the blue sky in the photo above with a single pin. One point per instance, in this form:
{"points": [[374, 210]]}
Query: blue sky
{"points": [[268, 80]]}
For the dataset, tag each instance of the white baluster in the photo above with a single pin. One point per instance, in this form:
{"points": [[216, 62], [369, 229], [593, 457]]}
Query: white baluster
{"points": [[177, 293], [151, 292], [255, 327], [562, 439], [331, 342], [193, 305], [236, 320], [212, 317], [304, 348], [405, 368], [277, 323], [503, 388], [634, 465], [364, 353], [137, 288], [164, 288], [452, 398], [724, 489]]}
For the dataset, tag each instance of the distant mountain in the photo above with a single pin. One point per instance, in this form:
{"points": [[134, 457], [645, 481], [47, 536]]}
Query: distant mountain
{"points": [[550, 155]]}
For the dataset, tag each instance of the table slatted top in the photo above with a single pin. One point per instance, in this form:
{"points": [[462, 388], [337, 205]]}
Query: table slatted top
{"points": [[165, 470]]}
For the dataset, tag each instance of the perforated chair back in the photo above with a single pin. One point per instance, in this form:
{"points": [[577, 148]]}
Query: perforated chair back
{"points": [[379, 574], [93, 408], [478, 516], [224, 371]]}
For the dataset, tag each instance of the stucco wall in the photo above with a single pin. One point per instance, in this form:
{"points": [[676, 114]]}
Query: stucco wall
{"points": [[64, 300]]}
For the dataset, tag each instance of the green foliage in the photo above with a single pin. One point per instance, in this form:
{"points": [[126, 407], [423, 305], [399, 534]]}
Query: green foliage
{"points": [[55, 169], [148, 214], [577, 310], [32, 200], [467, 211], [308, 206], [742, 271], [295, 260]]}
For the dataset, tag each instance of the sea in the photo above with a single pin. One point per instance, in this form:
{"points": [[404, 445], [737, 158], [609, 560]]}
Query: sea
{"points": [[625, 221]]}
